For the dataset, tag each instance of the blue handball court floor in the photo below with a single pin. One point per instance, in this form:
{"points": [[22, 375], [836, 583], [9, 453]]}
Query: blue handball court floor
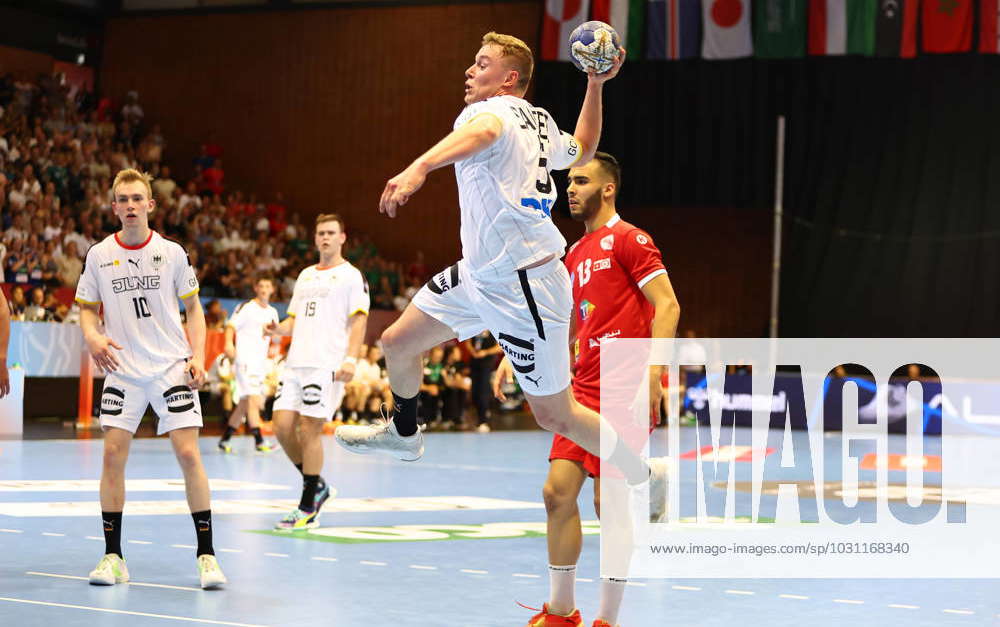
{"points": [[453, 540]]}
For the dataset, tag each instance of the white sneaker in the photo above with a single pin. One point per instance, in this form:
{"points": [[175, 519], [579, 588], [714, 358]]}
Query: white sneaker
{"points": [[483, 428], [110, 570], [210, 573], [658, 468], [381, 438]]}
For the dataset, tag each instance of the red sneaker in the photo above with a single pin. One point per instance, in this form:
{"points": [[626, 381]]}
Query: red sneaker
{"points": [[602, 623], [544, 619]]}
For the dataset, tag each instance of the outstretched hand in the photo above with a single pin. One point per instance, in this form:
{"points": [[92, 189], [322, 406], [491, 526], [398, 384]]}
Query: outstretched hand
{"points": [[616, 64], [399, 189]]}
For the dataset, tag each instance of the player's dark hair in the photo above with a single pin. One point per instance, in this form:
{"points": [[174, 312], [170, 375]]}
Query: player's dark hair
{"points": [[331, 217], [610, 166]]}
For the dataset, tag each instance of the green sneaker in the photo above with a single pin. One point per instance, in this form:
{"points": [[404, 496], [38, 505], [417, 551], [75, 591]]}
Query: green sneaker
{"points": [[110, 570], [225, 446], [298, 520]]}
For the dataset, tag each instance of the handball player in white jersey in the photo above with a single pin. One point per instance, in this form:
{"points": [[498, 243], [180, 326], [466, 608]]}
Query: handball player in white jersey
{"points": [[510, 279], [138, 276], [327, 319], [249, 356]]}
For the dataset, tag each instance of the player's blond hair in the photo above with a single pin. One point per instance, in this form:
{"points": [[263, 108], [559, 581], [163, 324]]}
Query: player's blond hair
{"points": [[131, 175], [331, 217], [517, 53]]}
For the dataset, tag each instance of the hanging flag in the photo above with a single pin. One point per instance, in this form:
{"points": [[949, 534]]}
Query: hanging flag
{"points": [[842, 26], [727, 29], [896, 28], [779, 28], [627, 17], [561, 17], [989, 26], [673, 29], [947, 25]]}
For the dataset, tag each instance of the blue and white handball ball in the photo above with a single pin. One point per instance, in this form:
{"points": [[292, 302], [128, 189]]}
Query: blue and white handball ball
{"points": [[593, 46]]}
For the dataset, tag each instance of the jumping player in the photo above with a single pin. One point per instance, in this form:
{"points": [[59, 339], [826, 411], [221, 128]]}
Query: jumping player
{"points": [[327, 319], [139, 276], [249, 355], [620, 288], [510, 279]]}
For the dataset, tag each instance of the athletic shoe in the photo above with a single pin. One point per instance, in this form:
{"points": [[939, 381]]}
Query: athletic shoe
{"points": [[298, 520], [381, 438], [225, 446], [544, 619], [602, 623], [658, 467], [110, 570], [265, 447], [483, 428], [210, 573], [321, 497]]}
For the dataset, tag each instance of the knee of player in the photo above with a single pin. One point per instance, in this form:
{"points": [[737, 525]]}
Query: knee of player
{"points": [[188, 456], [557, 497], [114, 455], [550, 420], [394, 341]]}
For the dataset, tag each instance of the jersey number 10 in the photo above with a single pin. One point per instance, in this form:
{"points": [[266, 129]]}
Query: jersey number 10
{"points": [[141, 307]]}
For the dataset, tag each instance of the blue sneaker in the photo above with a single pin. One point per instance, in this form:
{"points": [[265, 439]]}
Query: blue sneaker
{"points": [[322, 496]]}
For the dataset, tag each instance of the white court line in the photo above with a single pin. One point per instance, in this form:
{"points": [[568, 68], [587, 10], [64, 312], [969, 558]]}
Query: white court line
{"points": [[638, 584], [183, 546], [324, 559], [231, 550], [746, 592], [963, 612], [53, 535], [475, 572], [419, 567], [276, 554], [131, 583], [367, 563], [93, 538], [11, 531], [526, 575], [900, 606], [139, 542], [692, 588], [793, 596], [585, 580], [849, 601], [110, 611]]}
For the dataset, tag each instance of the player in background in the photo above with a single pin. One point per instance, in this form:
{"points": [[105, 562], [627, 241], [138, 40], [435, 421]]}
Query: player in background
{"points": [[327, 318], [4, 342], [138, 276], [249, 355], [510, 279], [619, 287]]}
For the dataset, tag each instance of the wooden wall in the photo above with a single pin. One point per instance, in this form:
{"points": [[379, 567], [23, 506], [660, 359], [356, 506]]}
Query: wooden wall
{"points": [[324, 105], [24, 64]]}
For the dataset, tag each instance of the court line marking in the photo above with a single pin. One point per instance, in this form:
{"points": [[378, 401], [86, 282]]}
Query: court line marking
{"points": [[901, 606], [367, 563], [963, 612], [744, 592], [53, 535], [131, 583], [139, 542], [798, 597], [11, 531], [692, 588], [849, 601], [146, 614], [635, 583], [421, 567], [324, 559], [475, 572], [93, 538], [526, 575], [585, 580], [231, 550], [276, 554], [183, 546]]}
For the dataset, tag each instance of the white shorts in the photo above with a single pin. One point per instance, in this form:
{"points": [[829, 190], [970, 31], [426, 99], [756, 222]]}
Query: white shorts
{"points": [[124, 401], [311, 392], [528, 316], [250, 379]]}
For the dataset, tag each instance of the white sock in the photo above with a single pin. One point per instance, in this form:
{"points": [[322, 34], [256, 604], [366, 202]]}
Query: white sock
{"points": [[611, 599], [562, 581]]}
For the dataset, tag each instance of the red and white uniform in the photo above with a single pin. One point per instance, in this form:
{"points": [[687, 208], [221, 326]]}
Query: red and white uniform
{"points": [[608, 269]]}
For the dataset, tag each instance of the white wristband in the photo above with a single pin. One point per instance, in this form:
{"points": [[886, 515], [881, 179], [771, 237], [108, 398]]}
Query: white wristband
{"points": [[351, 360]]}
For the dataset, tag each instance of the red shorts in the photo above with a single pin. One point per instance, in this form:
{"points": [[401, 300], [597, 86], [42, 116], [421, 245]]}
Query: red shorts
{"points": [[564, 448]]}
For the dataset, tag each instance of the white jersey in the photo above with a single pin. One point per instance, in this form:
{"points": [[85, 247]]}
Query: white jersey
{"points": [[506, 193], [323, 302], [139, 287], [249, 321]]}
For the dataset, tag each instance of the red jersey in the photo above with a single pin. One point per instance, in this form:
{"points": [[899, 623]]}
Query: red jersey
{"points": [[608, 269]]}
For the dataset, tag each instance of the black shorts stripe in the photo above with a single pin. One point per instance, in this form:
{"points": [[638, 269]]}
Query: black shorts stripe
{"points": [[111, 412], [180, 409], [516, 341], [114, 392], [454, 276], [523, 369], [306, 402], [311, 386], [532, 307], [175, 390]]}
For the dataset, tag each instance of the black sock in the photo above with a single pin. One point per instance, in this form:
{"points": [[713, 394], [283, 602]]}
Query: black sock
{"points": [[203, 527], [112, 533], [228, 434], [308, 501], [257, 437], [405, 414]]}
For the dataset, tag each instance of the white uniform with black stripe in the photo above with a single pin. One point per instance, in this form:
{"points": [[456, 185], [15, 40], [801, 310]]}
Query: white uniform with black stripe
{"points": [[251, 364], [323, 302], [140, 287], [506, 195]]}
